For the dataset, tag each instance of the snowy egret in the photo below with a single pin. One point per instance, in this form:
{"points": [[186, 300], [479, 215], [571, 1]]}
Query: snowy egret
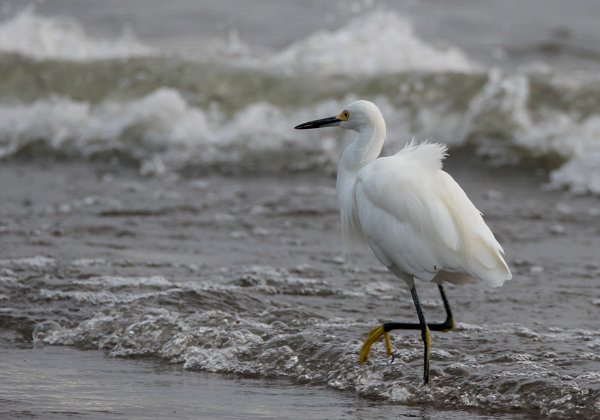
{"points": [[416, 219]]}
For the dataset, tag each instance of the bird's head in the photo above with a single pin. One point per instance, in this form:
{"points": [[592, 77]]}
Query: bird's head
{"points": [[356, 115]]}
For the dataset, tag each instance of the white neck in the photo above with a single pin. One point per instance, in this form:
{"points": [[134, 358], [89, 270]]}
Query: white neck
{"points": [[364, 150]]}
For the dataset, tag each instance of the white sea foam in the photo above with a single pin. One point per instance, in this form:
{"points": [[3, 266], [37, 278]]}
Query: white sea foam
{"points": [[160, 129], [501, 122], [373, 43], [164, 132], [218, 341], [156, 122], [36, 262], [96, 298], [43, 37], [581, 173], [89, 262], [115, 282]]}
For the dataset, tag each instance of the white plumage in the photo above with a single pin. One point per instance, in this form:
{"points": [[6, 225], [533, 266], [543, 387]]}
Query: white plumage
{"points": [[417, 220], [413, 215]]}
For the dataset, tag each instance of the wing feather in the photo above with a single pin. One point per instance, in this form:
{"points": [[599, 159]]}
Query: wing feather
{"points": [[414, 214]]}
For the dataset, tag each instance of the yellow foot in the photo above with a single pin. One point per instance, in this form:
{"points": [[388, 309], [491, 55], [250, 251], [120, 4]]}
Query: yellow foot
{"points": [[453, 326], [374, 335]]}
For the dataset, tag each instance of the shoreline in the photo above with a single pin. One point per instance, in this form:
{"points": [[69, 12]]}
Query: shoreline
{"points": [[57, 381]]}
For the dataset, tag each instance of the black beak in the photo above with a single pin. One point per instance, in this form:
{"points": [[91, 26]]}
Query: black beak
{"points": [[324, 122]]}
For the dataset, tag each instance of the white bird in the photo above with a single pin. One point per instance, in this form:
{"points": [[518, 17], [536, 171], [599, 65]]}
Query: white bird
{"points": [[416, 219]]}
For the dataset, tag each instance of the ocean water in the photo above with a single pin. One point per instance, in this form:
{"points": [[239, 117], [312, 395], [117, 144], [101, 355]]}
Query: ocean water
{"points": [[157, 204], [245, 277], [196, 86]]}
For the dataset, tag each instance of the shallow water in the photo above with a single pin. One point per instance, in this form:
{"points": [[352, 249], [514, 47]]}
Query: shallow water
{"points": [[245, 276], [157, 204], [55, 382]]}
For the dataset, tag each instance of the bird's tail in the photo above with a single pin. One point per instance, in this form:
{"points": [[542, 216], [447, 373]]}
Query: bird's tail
{"points": [[487, 263]]}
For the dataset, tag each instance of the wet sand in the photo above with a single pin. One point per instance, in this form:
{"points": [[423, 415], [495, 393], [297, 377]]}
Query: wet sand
{"points": [[64, 223], [57, 382]]}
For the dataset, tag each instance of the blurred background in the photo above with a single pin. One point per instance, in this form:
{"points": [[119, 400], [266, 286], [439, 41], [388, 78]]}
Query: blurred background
{"points": [[194, 85], [156, 204]]}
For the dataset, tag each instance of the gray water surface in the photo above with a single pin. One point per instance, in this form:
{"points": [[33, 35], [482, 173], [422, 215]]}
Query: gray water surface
{"points": [[507, 33], [59, 382], [244, 277]]}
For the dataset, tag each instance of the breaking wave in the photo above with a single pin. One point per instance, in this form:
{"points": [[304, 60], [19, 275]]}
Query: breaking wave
{"points": [[62, 38], [373, 44], [245, 321], [120, 98]]}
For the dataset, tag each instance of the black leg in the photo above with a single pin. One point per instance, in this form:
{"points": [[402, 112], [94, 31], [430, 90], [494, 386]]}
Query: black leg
{"points": [[448, 324], [424, 334], [445, 326], [383, 330]]}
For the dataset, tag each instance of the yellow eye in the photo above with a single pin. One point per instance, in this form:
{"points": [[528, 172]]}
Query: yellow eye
{"points": [[344, 116]]}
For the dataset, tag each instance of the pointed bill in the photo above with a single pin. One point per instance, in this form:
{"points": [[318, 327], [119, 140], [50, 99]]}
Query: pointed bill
{"points": [[324, 122]]}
